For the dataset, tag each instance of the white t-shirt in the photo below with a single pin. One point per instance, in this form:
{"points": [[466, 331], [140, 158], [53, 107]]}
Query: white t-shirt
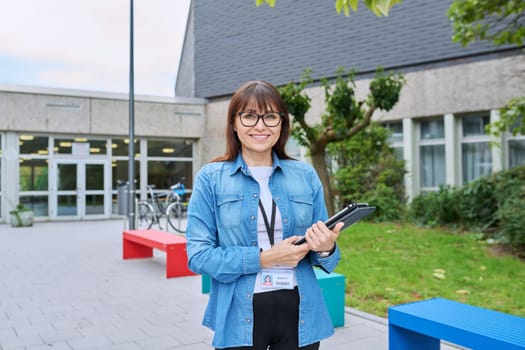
{"points": [[262, 175]]}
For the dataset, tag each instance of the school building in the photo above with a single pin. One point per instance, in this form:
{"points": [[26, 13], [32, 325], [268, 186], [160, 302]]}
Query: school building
{"points": [[451, 93], [62, 152]]}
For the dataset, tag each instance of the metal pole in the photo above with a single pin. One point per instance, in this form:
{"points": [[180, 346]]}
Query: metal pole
{"points": [[131, 145]]}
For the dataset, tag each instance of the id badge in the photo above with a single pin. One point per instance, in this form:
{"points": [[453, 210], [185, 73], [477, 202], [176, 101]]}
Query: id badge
{"points": [[277, 278]]}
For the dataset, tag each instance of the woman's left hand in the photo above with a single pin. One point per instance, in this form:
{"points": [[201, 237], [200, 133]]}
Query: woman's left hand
{"points": [[320, 238]]}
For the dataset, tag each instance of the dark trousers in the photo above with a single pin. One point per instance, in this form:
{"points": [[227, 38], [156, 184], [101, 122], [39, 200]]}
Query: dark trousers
{"points": [[276, 319]]}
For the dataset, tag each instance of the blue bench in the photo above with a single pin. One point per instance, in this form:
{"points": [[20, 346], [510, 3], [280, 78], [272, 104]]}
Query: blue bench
{"points": [[333, 289], [422, 324]]}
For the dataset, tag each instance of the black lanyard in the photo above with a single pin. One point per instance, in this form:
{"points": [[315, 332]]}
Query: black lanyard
{"points": [[270, 228]]}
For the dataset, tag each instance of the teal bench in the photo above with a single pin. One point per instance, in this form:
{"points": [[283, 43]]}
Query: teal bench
{"points": [[423, 324], [333, 289]]}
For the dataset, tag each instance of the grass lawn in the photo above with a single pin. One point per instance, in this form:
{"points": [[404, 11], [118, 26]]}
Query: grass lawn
{"points": [[390, 264]]}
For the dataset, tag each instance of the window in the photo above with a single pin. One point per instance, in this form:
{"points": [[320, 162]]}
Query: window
{"points": [[33, 145], [34, 173], [119, 166], [164, 174], [177, 148], [396, 137], [516, 152], [119, 172], [169, 161], [432, 163], [476, 156], [79, 146], [516, 149], [164, 162], [120, 147]]}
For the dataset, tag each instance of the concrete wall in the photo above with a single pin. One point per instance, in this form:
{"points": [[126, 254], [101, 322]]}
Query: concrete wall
{"points": [[214, 144], [64, 111], [447, 92], [459, 88]]}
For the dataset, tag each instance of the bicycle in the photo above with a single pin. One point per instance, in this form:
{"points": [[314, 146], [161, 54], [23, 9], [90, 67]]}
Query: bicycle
{"points": [[170, 204], [177, 209], [151, 210]]}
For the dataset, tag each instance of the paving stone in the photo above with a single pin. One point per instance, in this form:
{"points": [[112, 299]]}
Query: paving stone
{"points": [[11, 343], [77, 293], [158, 343], [61, 335], [50, 346], [89, 342], [125, 346]]}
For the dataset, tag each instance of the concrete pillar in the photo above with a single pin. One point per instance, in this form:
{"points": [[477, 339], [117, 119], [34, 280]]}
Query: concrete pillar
{"points": [[451, 150], [410, 156], [498, 145], [11, 173]]}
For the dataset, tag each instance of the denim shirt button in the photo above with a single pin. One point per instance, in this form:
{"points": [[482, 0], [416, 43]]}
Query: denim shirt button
{"points": [[255, 195], [302, 321], [248, 320], [252, 217], [285, 220]]}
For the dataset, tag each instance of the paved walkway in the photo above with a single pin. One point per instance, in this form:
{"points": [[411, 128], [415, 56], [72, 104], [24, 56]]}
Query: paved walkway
{"points": [[64, 285]]}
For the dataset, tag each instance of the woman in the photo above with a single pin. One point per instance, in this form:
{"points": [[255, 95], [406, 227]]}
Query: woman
{"points": [[247, 209]]}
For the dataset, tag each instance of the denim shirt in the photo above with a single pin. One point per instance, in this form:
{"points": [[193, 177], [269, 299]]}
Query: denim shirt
{"points": [[222, 243]]}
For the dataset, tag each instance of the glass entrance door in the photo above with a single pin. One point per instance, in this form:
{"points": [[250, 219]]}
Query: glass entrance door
{"points": [[80, 189]]}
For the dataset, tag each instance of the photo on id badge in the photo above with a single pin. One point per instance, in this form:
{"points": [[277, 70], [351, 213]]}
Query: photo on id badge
{"points": [[280, 278], [267, 280]]}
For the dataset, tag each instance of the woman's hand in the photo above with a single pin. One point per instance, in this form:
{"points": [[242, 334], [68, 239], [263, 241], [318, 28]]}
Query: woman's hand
{"points": [[320, 238], [284, 253]]}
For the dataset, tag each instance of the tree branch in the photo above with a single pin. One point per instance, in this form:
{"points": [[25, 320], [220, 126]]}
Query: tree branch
{"points": [[364, 123]]}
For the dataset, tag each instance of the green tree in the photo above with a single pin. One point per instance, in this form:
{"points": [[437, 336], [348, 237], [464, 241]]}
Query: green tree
{"points": [[512, 117], [499, 21], [369, 171], [378, 7], [344, 115], [503, 23]]}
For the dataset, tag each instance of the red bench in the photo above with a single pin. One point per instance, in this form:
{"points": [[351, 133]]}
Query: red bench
{"points": [[140, 244]]}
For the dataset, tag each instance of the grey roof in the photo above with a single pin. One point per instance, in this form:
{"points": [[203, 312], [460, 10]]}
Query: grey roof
{"points": [[229, 42]]}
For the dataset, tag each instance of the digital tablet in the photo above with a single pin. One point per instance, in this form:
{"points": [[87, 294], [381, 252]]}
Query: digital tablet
{"points": [[350, 214]]}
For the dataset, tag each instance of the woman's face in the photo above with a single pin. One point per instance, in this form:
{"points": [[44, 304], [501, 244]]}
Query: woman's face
{"points": [[257, 140]]}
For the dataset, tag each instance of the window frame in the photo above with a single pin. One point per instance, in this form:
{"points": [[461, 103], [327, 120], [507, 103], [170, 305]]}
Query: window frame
{"points": [[429, 142], [483, 138]]}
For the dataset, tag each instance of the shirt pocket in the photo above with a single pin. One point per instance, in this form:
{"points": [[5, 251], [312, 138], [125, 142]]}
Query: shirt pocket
{"points": [[229, 207], [302, 212]]}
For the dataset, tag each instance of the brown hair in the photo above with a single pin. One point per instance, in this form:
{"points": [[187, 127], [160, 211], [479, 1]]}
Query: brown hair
{"points": [[263, 94]]}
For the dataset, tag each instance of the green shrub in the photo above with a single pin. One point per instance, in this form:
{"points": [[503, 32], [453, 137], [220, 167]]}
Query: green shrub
{"points": [[476, 204], [435, 208], [388, 206], [368, 171], [493, 204], [511, 216]]}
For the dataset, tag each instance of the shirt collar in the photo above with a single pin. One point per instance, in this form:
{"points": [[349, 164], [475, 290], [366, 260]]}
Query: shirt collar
{"points": [[240, 164]]}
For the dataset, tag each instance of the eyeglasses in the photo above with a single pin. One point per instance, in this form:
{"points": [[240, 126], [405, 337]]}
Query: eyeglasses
{"points": [[270, 119]]}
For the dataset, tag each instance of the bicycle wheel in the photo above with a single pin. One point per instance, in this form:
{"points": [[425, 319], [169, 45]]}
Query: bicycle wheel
{"points": [[145, 215], [176, 218]]}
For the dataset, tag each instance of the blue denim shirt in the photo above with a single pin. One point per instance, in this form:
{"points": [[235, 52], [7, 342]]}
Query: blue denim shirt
{"points": [[222, 243]]}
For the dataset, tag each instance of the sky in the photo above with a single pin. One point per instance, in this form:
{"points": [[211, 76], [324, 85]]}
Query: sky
{"points": [[85, 44]]}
